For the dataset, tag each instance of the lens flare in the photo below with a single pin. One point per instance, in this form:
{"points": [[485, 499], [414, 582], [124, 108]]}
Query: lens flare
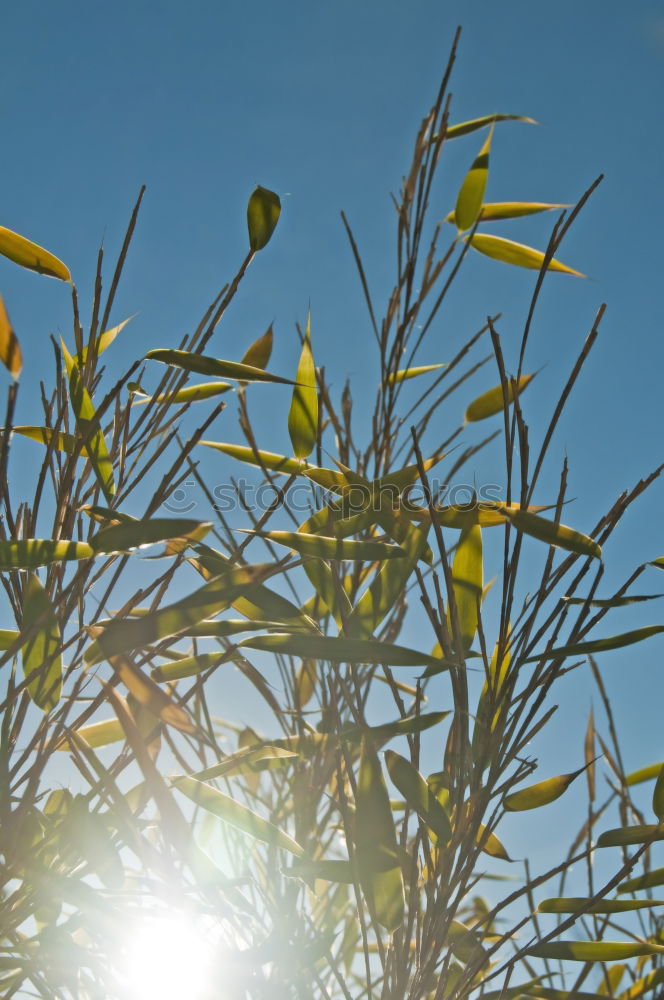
{"points": [[168, 958]]}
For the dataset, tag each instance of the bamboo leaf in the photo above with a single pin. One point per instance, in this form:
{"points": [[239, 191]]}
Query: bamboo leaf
{"points": [[467, 576], [407, 373], [29, 553], [88, 423], [97, 734], [332, 548], [612, 602], [10, 349], [41, 653], [337, 649], [658, 563], [658, 796], [122, 635], [471, 195], [191, 394], [265, 459], [375, 839], [27, 254], [574, 903], [8, 637], [248, 761], [259, 353], [235, 814], [418, 795], [599, 645], [44, 435], [188, 666], [459, 516], [204, 365], [594, 951], [303, 414], [305, 682], [106, 339], [492, 402], [647, 881], [148, 694], [137, 534], [624, 836], [644, 774], [263, 211], [464, 128], [516, 254], [496, 211], [552, 533], [540, 794]]}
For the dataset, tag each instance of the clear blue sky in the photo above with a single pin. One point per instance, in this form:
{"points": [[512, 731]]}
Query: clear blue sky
{"points": [[320, 102]]}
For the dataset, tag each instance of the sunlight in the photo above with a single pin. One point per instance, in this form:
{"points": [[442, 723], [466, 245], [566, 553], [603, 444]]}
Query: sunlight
{"points": [[168, 958]]}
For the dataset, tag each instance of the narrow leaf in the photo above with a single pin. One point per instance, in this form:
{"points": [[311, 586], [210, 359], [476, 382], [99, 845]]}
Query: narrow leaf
{"points": [[259, 353], [332, 548], [658, 796], [612, 602], [572, 904], [496, 211], [235, 814], [644, 774], [464, 128], [407, 373], [44, 435], [593, 951], [88, 423], [97, 734], [541, 793], [516, 254], [471, 195], [10, 349], [340, 650], [551, 533], [599, 645], [303, 414], [418, 795], [41, 653], [136, 534], [625, 836], [647, 881], [192, 394], [29, 255], [204, 365], [492, 402], [29, 553], [467, 577]]}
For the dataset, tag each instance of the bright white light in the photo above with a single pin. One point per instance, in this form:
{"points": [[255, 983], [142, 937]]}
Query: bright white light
{"points": [[168, 958]]}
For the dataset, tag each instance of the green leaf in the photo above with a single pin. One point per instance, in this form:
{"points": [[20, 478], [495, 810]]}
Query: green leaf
{"points": [[574, 903], [599, 645], [552, 533], [249, 761], [106, 338], [97, 734], [644, 774], [10, 349], [471, 195], [44, 435], [625, 836], [191, 394], [338, 649], [376, 841], [464, 128], [7, 638], [88, 423], [263, 211], [29, 553], [658, 563], [265, 459], [189, 666], [594, 951], [516, 254], [259, 353], [139, 533], [204, 365], [303, 414], [612, 602], [29, 255], [332, 548], [492, 402], [496, 211], [122, 635], [235, 814], [418, 795], [467, 577], [540, 794], [407, 373], [658, 796], [647, 881], [41, 653]]}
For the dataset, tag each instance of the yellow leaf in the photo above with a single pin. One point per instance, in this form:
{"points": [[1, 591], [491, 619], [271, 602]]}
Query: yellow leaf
{"points": [[10, 349], [303, 415], [263, 211], [493, 401], [516, 254], [541, 793], [29, 255], [471, 195], [467, 576], [406, 373], [42, 660], [86, 418]]}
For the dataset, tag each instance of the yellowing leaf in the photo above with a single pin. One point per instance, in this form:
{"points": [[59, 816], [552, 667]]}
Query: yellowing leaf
{"points": [[204, 365], [516, 254], [467, 577], [88, 423], [658, 796], [148, 694], [44, 435], [303, 415], [235, 814], [418, 795], [375, 839], [464, 128], [647, 881], [492, 402], [407, 373], [471, 195], [541, 793], [572, 904], [599, 645], [29, 553], [188, 666], [106, 339], [551, 533], [496, 211], [263, 211], [97, 734], [10, 349], [42, 660], [29, 255], [624, 836], [644, 774], [258, 354], [191, 394]]}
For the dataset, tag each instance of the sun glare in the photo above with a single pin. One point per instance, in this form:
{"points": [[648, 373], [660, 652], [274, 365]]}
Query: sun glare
{"points": [[168, 958]]}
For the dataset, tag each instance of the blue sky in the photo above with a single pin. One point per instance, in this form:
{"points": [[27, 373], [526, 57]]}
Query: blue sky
{"points": [[320, 102]]}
